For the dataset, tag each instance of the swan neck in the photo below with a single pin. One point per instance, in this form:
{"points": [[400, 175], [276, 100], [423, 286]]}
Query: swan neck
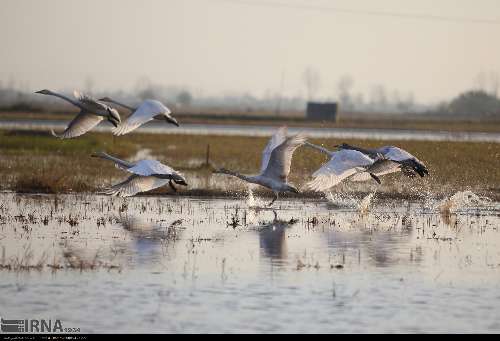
{"points": [[321, 149], [240, 176], [70, 100], [122, 105], [362, 150]]}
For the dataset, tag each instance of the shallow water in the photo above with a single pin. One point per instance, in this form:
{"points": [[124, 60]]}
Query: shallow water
{"points": [[177, 264], [245, 130]]}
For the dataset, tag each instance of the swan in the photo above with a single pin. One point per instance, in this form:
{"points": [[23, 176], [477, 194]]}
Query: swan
{"points": [[148, 110], [276, 162], [146, 175], [396, 159], [342, 165], [92, 112]]}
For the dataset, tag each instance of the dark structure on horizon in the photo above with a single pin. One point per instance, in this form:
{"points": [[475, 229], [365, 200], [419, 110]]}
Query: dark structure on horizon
{"points": [[322, 111]]}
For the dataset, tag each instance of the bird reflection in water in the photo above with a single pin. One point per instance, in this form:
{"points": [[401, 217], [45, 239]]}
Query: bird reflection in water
{"points": [[272, 238], [150, 237]]}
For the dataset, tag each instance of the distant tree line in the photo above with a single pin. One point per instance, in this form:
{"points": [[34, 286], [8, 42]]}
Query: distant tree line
{"points": [[473, 102], [482, 101]]}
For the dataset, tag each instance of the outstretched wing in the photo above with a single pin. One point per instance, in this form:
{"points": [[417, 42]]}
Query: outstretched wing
{"points": [[395, 153], [81, 124], [135, 184], [405, 159], [278, 138], [342, 165], [379, 168], [89, 102], [280, 160], [143, 114]]}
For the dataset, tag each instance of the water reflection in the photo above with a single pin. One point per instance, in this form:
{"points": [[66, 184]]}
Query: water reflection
{"points": [[186, 264], [150, 238], [273, 237]]}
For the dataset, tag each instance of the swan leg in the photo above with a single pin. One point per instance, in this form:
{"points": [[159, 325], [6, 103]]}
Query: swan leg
{"points": [[275, 198], [376, 178], [172, 186]]}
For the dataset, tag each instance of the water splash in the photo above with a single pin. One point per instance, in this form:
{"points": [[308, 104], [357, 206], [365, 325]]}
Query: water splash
{"points": [[339, 199], [460, 201], [365, 203], [253, 201]]}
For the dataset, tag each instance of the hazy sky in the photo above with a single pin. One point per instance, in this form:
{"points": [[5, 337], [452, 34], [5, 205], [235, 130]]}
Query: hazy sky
{"points": [[219, 47]]}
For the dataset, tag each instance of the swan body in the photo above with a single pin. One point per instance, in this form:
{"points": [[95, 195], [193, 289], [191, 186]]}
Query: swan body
{"points": [[146, 175], [276, 163], [342, 165], [92, 112], [396, 159]]}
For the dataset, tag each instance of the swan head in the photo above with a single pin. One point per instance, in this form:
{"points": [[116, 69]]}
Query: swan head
{"points": [[181, 182], [179, 179], [105, 99], [292, 189], [171, 120], [167, 114], [113, 116], [44, 92]]}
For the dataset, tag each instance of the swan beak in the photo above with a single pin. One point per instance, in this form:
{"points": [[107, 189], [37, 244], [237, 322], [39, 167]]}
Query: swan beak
{"points": [[171, 120], [113, 122], [114, 116], [181, 182]]}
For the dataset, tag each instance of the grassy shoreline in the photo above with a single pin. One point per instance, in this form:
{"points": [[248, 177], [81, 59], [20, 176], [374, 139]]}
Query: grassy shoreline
{"points": [[35, 162]]}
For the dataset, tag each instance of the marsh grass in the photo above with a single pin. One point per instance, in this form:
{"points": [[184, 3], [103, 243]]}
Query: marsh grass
{"points": [[42, 163], [25, 261]]}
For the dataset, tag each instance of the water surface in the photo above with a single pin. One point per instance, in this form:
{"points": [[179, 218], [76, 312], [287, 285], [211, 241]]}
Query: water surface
{"points": [[177, 264], [263, 130]]}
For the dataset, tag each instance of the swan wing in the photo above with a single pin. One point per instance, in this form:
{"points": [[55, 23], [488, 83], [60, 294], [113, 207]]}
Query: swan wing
{"points": [[280, 159], [278, 138], [342, 165], [81, 124], [143, 114], [406, 159], [395, 153], [92, 104], [135, 184], [377, 169]]}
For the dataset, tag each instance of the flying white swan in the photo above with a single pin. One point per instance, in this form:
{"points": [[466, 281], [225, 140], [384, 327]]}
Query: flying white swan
{"points": [[92, 112], [148, 110], [276, 162], [146, 175], [395, 160], [342, 165]]}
